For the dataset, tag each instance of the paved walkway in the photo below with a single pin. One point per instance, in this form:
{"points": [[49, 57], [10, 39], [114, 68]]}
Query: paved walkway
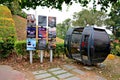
{"points": [[7, 73], [67, 72]]}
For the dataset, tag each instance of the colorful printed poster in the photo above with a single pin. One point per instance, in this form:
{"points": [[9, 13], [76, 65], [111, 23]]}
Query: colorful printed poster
{"points": [[31, 32], [51, 43], [42, 21], [41, 32], [52, 32], [31, 21], [51, 22], [31, 44], [42, 44]]}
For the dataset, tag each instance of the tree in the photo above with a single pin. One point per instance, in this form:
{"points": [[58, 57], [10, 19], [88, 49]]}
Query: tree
{"points": [[62, 28], [89, 17], [113, 22], [13, 6], [58, 3]]}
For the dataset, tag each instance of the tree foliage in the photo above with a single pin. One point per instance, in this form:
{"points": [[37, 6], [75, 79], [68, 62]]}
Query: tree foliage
{"points": [[58, 3], [113, 22], [62, 28], [89, 17]]}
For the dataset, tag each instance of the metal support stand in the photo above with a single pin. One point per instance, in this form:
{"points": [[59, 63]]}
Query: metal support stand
{"points": [[41, 56], [51, 55], [30, 57]]}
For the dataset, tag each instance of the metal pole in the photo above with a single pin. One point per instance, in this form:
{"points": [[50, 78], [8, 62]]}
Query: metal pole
{"points": [[30, 57], [51, 55], [41, 56]]}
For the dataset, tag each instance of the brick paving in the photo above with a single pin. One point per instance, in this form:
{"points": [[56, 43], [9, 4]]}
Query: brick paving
{"points": [[67, 72]]}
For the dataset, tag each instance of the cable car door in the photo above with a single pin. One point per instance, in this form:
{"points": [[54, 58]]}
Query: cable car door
{"points": [[85, 52]]}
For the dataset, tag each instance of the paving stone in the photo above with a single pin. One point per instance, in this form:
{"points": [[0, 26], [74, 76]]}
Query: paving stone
{"points": [[41, 76], [101, 65], [39, 72], [54, 69], [62, 76], [73, 78], [69, 67], [100, 78], [88, 68], [78, 71], [59, 72], [51, 78]]}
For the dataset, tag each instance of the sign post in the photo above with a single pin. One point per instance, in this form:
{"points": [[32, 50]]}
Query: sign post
{"points": [[41, 56], [42, 23], [31, 57], [31, 34], [51, 55], [51, 35]]}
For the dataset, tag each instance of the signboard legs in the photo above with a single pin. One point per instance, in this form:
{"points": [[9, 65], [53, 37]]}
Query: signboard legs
{"points": [[41, 56], [30, 57], [51, 55]]}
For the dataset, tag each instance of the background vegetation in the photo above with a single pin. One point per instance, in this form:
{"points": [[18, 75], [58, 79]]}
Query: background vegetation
{"points": [[7, 32]]}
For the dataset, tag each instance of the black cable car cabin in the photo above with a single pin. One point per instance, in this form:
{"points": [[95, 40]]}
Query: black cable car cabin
{"points": [[89, 45]]}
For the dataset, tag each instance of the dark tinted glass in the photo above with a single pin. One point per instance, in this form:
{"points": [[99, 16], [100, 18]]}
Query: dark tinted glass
{"points": [[101, 40]]}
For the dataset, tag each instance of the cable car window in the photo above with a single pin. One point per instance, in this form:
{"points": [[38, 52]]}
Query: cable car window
{"points": [[75, 42], [100, 39]]}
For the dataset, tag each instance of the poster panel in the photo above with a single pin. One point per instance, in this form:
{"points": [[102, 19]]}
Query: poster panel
{"points": [[52, 32], [42, 21], [31, 44], [31, 32], [51, 43], [31, 21], [51, 21], [42, 44], [41, 32]]}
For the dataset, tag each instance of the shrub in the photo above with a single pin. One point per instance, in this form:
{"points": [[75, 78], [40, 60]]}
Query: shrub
{"points": [[7, 41], [8, 22], [115, 48], [7, 32], [59, 50], [5, 12], [20, 47], [22, 14]]}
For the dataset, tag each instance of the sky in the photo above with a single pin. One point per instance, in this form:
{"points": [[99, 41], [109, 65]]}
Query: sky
{"points": [[65, 13]]}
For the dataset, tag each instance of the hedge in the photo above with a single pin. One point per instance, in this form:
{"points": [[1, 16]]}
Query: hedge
{"points": [[7, 32], [9, 22], [7, 40], [20, 48], [5, 12]]}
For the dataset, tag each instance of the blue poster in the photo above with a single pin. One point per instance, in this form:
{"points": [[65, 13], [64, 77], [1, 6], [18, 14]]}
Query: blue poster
{"points": [[31, 44]]}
